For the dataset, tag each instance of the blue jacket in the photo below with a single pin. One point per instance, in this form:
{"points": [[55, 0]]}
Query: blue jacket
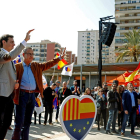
{"points": [[126, 100]]}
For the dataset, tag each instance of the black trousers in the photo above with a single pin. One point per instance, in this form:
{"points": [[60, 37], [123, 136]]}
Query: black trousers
{"points": [[48, 110], [120, 118], [35, 114], [103, 112], [6, 111]]}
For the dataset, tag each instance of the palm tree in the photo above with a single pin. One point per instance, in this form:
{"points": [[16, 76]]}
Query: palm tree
{"points": [[131, 48]]}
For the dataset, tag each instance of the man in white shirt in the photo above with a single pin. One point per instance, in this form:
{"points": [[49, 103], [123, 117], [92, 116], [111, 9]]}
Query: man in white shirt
{"points": [[8, 78]]}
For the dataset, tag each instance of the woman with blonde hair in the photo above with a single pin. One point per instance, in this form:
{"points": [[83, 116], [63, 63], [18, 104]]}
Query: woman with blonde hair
{"points": [[101, 107], [88, 92]]}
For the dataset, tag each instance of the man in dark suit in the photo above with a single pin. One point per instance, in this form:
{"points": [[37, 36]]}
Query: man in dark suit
{"points": [[130, 105]]}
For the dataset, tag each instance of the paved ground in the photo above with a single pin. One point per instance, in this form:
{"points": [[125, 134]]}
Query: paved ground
{"points": [[55, 132]]}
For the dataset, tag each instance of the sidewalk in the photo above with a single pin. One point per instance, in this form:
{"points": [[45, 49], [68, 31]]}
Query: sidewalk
{"points": [[55, 132]]}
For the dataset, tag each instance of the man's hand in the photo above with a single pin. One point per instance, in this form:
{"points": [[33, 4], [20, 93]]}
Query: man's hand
{"points": [[119, 112], [78, 89], [16, 85], [28, 35], [63, 54], [126, 112]]}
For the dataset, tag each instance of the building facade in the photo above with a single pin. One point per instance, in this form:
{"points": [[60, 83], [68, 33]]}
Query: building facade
{"points": [[44, 50], [88, 52], [127, 14]]}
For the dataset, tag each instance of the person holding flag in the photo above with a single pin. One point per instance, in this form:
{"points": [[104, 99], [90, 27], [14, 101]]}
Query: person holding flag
{"points": [[55, 100], [29, 75]]}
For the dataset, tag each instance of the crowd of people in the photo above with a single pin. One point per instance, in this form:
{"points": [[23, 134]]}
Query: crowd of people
{"points": [[118, 105]]}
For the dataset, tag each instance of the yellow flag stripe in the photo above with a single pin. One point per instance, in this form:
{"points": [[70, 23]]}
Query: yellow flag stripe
{"points": [[67, 105], [79, 110], [86, 107], [131, 76], [60, 64], [71, 109]]}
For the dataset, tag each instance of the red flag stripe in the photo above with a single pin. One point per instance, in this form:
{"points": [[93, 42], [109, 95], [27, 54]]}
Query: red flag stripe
{"points": [[64, 61], [65, 112], [87, 115], [86, 100], [69, 107], [73, 109], [57, 54]]}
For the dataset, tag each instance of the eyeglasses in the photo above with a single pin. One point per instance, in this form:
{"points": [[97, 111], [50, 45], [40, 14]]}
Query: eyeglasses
{"points": [[100, 91], [31, 54], [113, 86]]}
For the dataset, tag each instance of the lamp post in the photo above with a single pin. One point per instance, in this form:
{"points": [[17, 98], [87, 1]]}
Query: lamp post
{"points": [[101, 22]]}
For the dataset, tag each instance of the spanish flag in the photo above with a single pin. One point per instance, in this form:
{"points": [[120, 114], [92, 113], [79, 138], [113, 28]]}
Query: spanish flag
{"points": [[61, 63], [134, 75]]}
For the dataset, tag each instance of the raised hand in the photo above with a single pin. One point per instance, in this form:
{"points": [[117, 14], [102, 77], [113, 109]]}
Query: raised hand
{"points": [[63, 53], [28, 35]]}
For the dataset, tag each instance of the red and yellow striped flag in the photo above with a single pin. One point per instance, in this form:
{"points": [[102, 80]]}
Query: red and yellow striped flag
{"points": [[75, 110], [133, 75], [61, 63]]}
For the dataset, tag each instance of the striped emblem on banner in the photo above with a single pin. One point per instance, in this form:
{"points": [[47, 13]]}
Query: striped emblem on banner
{"points": [[74, 109]]}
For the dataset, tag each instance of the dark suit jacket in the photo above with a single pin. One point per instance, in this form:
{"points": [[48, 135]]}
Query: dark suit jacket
{"points": [[126, 100]]}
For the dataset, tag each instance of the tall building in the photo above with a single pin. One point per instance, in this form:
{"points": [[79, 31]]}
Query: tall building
{"points": [[88, 52], [69, 57], [127, 13], [73, 58]]}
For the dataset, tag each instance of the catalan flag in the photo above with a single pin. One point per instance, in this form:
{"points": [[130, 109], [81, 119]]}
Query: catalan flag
{"points": [[78, 116], [61, 63], [134, 75]]}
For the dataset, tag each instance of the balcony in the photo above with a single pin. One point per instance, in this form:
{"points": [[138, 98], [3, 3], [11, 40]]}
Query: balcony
{"points": [[128, 17], [128, 10], [126, 4], [131, 23]]}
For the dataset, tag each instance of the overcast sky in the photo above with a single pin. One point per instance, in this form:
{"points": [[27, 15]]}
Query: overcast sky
{"points": [[55, 20]]}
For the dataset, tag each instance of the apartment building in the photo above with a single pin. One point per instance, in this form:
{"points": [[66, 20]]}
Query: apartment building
{"points": [[127, 13], [88, 52], [44, 50]]}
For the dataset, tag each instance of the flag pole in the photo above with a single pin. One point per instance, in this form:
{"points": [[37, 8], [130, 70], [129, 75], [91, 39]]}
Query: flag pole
{"points": [[54, 71]]}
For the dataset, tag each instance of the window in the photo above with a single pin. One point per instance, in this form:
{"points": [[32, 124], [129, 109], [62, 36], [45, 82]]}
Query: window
{"points": [[133, 1], [129, 1]]}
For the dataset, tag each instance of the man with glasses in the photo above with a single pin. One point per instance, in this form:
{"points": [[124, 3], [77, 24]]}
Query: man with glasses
{"points": [[112, 105], [29, 75]]}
